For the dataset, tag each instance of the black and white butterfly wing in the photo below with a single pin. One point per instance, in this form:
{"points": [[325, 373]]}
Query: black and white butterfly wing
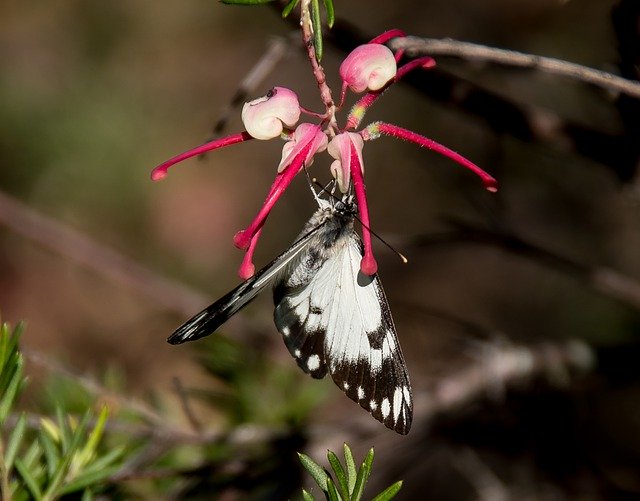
{"points": [[335, 319], [212, 317]]}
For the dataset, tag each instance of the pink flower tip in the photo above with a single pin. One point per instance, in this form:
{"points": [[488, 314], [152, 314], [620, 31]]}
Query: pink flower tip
{"points": [[157, 174], [246, 270], [368, 265], [490, 185], [241, 240]]}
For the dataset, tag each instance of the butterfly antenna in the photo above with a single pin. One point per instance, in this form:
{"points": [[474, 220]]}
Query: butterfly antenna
{"points": [[402, 257]]}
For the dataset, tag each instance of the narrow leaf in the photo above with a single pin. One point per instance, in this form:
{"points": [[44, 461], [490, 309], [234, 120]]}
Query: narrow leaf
{"points": [[15, 384], [340, 474], [363, 476], [28, 479], [89, 449], [332, 493], [87, 479], [14, 441], [289, 7], [331, 15], [315, 470], [317, 29], [351, 468], [389, 492], [306, 496], [50, 453]]}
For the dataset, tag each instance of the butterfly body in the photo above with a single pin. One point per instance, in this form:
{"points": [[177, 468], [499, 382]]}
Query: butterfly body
{"points": [[333, 319]]}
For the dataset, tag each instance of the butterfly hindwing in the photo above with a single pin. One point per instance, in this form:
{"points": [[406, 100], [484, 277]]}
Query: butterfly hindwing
{"points": [[335, 319]]}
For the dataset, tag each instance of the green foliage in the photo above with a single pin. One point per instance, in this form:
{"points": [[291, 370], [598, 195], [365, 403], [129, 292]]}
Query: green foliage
{"points": [[349, 482], [252, 388], [46, 458], [315, 17]]}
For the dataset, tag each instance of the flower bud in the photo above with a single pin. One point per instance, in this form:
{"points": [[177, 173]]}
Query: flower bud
{"points": [[303, 134], [368, 67], [340, 149], [264, 117]]}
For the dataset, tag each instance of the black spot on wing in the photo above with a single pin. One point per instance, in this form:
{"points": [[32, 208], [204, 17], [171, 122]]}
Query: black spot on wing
{"points": [[376, 337]]}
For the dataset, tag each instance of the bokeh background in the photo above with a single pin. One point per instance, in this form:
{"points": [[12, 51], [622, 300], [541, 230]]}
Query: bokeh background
{"points": [[542, 276]]}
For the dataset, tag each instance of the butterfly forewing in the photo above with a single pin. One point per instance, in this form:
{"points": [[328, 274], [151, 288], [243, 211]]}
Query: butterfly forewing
{"points": [[212, 317], [337, 320]]}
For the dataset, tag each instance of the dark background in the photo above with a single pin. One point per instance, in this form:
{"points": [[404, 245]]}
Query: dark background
{"points": [[94, 94]]}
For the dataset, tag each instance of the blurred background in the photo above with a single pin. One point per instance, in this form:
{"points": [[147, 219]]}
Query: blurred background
{"points": [[518, 313]]}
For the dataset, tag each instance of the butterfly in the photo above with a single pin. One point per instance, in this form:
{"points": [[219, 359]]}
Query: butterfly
{"points": [[333, 318]]}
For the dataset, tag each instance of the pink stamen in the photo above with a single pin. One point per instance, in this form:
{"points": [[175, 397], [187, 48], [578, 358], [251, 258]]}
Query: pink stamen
{"points": [[243, 238], [161, 170], [388, 35], [368, 265], [364, 103], [488, 181]]}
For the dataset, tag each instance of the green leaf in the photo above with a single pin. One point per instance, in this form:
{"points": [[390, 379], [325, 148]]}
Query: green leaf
{"points": [[351, 468], [340, 474], [50, 453], [331, 15], [28, 479], [306, 496], [363, 476], [14, 441], [90, 447], [104, 461], [32, 456], [389, 492], [317, 29], [332, 493], [315, 470], [87, 479], [289, 7], [75, 435], [11, 391], [245, 2]]}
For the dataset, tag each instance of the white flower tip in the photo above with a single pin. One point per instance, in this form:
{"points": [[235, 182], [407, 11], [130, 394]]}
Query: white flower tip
{"points": [[265, 117], [368, 67]]}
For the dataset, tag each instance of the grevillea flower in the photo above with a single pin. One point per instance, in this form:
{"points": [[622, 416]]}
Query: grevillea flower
{"points": [[372, 68], [303, 134], [265, 117], [368, 67], [340, 149]]}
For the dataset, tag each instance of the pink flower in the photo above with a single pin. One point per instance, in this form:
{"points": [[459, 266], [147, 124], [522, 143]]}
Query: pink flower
{"points": [[368, 67], [340, 149], [300, 138], [265, 117], [372, 68]]}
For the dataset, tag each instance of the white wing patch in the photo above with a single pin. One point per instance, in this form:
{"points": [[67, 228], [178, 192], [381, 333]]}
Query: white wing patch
{"points": [[340, 318]]}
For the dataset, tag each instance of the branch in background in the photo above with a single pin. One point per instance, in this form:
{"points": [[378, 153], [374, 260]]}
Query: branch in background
{"points": [[499, 366], [524, 121], [601, 279], [416, 46], [105, 261]]}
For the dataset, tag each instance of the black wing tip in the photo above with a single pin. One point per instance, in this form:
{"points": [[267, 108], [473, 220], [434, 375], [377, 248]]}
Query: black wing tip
{"points": [[176, 339]]}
